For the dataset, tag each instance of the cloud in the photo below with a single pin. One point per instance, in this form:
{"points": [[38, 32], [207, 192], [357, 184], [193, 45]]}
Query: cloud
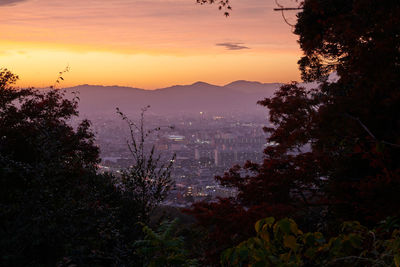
{"points": [[233, 46], [10, 2]]}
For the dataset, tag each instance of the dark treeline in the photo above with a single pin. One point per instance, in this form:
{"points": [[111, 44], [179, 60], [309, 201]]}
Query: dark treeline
{"points": [[351, 125], [55, 207], [57, 210]]}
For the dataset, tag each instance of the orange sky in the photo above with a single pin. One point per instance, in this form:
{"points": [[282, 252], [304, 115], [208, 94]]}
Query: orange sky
{"points": [[145, 43]]}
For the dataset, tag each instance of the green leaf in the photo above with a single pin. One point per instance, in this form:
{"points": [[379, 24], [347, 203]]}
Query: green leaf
{"points": [[284, 225], [260, 224], [243, 254], [355, 240], [289, 241], [397, 260]]}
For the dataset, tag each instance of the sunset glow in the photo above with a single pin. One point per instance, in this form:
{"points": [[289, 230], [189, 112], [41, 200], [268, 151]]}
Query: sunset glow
{"points": [[147, 44]]}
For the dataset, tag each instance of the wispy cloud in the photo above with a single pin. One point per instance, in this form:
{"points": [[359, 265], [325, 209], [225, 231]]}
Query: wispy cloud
{"points": [[142, 37], [10, 2], [233, 46]]}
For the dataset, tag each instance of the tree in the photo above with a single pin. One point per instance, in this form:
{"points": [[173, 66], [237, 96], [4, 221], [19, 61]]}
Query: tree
{"points": [[55, 209], [163, 247], [357, 125], [35, 130], [53, 205], [282, 243], [148, 181], [336, 149]]}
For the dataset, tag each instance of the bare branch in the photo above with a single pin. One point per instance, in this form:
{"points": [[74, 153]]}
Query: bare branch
{"points": [[370, 133], [60, 77], [282, 9], [287, 8]]}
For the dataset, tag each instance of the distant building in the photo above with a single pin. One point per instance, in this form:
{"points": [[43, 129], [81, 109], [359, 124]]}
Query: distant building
{"points": [[176, 137], [225, 158]]}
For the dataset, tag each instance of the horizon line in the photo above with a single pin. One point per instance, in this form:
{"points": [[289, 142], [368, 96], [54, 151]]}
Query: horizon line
{"points": [[158, 88]]}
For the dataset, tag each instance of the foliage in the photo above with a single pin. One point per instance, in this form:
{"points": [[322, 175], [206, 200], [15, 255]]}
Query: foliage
{"points": [[355, 133], [222, 4], [54, 208], [227, 223], [148, 181], [281, 243], [35, 131], [162, 247], [333, 150]]}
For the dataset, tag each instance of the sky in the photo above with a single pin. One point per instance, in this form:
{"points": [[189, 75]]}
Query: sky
{"points": [[146, 43]]}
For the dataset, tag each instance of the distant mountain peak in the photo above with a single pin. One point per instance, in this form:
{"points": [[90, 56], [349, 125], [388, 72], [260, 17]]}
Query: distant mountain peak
{"points": [[254, 83], [241, 82], [106, 87], [200, 83]]}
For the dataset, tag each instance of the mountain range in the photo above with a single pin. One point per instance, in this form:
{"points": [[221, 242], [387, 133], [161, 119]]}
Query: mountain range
{"points": [[238, 96]]}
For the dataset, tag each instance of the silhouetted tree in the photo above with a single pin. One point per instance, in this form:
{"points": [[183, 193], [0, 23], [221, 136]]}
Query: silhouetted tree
{"points": [[148, 180], [53, 205], [336, 149], [354, 133]]}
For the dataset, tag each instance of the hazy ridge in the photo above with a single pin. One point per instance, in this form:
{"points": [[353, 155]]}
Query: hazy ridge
{"points": [[238, 96]]}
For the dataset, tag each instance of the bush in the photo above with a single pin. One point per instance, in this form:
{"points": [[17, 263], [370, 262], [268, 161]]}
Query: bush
{"points": [[281, 243]]}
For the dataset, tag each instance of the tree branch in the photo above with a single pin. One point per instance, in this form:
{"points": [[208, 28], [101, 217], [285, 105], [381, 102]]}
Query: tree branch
{"points": [[287, 8], [370, 133], [282, 9]]}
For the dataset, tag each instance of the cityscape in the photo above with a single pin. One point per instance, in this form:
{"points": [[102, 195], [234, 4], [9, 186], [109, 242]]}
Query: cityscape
{"points": [[205, 145]]}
